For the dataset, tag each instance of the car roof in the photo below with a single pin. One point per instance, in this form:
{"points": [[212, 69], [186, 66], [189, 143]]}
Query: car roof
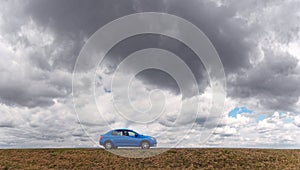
{"points": [[123, 129]]}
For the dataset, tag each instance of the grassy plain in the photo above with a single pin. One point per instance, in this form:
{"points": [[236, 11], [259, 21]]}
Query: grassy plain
{"points": [[216, 158]]}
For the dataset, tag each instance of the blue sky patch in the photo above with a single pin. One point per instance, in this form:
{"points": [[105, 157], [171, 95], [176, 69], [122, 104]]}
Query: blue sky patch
{"points": [[239, 110], [261, 117], [288, 120]]}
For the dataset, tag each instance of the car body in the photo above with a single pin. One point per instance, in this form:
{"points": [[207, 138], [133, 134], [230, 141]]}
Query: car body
{"points": [[126, 138]]}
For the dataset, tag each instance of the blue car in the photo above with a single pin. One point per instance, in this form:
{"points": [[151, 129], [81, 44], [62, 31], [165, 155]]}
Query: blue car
{"points": [[126, 138]]}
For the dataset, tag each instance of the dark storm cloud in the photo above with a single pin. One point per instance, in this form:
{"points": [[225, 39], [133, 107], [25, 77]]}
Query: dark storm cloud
{"points": [[274, 82], [78, 20], [226, 32], [156, 77], [73, 22], [70, 23], [29, 95]]}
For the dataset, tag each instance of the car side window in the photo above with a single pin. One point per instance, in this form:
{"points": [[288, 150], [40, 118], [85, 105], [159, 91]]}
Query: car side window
{"points": [[131, 134], [125, 133]]}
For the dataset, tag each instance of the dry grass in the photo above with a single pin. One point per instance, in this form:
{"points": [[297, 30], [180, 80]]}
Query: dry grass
{"points": [[172, 159]]}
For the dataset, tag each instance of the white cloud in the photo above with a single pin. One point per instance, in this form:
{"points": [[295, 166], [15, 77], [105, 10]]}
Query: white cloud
{"points": [[294, 48], [297, 121], [226, 131], [35, 35], [272, 132]]}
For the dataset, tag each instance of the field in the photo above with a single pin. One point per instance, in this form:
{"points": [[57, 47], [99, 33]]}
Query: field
{"points": [[172, 159]]}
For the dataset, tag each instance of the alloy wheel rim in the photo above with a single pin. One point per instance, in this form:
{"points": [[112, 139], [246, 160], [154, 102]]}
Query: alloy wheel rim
{"points": [[108, 145], [145, 145]]}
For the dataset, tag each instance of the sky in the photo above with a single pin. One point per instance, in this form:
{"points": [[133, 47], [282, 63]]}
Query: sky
{"points": [[258, 43]]}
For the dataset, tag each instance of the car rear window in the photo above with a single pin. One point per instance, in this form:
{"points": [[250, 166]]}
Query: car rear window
{"points": [[117, 133]]}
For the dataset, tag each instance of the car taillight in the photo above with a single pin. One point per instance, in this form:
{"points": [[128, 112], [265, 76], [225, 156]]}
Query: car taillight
{"points": [[101, 137]]}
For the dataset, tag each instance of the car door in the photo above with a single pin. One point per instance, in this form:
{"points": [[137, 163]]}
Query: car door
{"points": [[125, 140], [133, 138], [130, 138], [117, 137]]}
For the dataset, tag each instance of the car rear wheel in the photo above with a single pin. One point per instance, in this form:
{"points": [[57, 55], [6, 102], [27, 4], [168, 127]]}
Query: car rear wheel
{"points": [[145, 145], [108, 145]]}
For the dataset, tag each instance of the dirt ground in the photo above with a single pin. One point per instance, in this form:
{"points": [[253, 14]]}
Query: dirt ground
{"points": [[172, 159]]}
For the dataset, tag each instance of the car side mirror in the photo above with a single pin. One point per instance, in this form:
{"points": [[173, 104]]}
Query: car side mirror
{"points": [[136, 135]]}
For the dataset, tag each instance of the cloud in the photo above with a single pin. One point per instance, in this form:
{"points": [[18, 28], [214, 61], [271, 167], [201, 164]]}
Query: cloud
{"points": [[297, 121], [257, 43], [270, 88], [225, 131], [245, 131], [235, 29], [28, 77]]}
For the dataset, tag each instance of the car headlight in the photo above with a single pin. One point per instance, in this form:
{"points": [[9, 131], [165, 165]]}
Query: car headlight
{"points": [[153, 138]]}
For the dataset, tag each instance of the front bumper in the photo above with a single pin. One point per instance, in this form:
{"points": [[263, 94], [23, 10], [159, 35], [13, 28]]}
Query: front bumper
{"points": [[153, 144]]}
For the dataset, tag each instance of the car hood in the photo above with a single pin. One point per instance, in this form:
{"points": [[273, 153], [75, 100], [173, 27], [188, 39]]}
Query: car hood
{"points": [[144, 136]]}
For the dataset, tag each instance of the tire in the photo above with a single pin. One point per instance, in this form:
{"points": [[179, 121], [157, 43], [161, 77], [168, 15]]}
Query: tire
{"points": [[145, 145], [108, 145]]}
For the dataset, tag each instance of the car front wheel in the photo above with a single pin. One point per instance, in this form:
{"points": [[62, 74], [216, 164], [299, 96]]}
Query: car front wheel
{"points": [[145, 145], [108, 145]]}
